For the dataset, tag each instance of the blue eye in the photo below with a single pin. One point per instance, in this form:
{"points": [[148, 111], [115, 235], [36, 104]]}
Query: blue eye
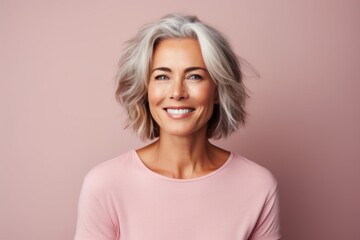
{"points": [[161, 77], [195, 77]]}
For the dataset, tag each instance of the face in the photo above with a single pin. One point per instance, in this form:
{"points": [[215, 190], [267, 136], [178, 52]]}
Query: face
{"points": [[181, 93]]}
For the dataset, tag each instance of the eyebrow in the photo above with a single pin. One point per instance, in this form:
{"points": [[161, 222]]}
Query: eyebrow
{"points": [[189, 69]]}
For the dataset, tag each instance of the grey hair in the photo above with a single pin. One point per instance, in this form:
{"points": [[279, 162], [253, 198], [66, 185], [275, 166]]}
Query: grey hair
{"points": [[222, 64]]}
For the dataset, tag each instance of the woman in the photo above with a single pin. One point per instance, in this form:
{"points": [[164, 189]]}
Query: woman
{"points": [[180, 84]]}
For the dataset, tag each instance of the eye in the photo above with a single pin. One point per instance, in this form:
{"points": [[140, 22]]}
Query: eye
{"points": [[161, 77], [195, 77]]}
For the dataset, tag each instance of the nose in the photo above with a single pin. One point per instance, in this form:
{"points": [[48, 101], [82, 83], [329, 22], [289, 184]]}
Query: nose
{"points": [[178, 90]]}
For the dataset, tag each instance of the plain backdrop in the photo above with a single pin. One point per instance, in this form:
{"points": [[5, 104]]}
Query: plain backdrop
{"points": [[59, 116]]}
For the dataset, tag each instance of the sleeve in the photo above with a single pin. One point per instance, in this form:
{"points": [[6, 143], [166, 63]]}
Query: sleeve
{"points": [[94, 220], [268, 224]]}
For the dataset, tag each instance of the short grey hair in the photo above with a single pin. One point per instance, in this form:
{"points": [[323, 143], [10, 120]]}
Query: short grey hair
{"points": [[221, 62]]}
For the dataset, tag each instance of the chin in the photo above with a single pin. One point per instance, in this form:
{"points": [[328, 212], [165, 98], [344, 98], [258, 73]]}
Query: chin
{"points": [[183, 132]]}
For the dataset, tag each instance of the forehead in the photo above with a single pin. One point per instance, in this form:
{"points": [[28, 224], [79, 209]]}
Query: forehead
{"points": [[177, 52]]}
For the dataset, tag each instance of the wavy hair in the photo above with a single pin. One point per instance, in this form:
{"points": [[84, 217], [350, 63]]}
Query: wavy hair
{"points": [[222, 64]]}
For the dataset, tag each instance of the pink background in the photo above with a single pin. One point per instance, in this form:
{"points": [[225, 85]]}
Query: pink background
{"points": [[59, 117]]}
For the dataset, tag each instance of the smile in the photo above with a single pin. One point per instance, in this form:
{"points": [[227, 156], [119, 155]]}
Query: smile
{"points": [[180, 111]]}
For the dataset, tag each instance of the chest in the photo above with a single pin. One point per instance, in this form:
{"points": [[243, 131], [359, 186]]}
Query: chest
{"points": [[202, 211]]}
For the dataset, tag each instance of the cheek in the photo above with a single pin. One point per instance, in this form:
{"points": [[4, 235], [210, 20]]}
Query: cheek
{"points": [[153, 94], [205, 95], [152, 97]]}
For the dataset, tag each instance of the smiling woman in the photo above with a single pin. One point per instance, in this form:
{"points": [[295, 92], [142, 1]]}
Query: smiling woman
{"points": [[181, 93], [180, 84]]}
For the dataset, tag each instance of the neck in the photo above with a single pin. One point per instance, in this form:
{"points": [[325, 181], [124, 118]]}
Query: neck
{"points": [[183, 157], [183, 151]]}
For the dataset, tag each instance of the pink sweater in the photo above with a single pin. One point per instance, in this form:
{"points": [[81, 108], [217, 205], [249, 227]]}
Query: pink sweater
{"points": [[123, 199]]}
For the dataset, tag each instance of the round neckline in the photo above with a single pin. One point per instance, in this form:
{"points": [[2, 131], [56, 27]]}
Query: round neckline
{"points": [[151, 172]]}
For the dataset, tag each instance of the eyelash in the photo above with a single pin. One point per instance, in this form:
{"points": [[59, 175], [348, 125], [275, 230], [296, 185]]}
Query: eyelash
{"points": [[197, 77], [161, 77], [191, 77]]}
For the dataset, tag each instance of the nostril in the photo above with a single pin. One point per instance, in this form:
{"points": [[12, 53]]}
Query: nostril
{"points": [[176, 97], [178, 94]]}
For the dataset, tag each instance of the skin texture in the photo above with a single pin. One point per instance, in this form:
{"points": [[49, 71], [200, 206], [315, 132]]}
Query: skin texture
{"points": [[181, 96]]}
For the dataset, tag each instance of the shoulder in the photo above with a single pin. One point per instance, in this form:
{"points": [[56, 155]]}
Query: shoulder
{"points": [[108, 172], [255, 175]]}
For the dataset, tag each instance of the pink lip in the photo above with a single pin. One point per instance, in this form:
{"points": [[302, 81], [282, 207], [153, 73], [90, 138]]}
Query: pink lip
{"points": [[180, 107]]}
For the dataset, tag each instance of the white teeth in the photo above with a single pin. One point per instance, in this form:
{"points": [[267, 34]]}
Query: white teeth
{"points": [[178, 111]]}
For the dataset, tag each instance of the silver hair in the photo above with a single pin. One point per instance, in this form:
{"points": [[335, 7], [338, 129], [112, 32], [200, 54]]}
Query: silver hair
{"points": [[221, 62]]}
